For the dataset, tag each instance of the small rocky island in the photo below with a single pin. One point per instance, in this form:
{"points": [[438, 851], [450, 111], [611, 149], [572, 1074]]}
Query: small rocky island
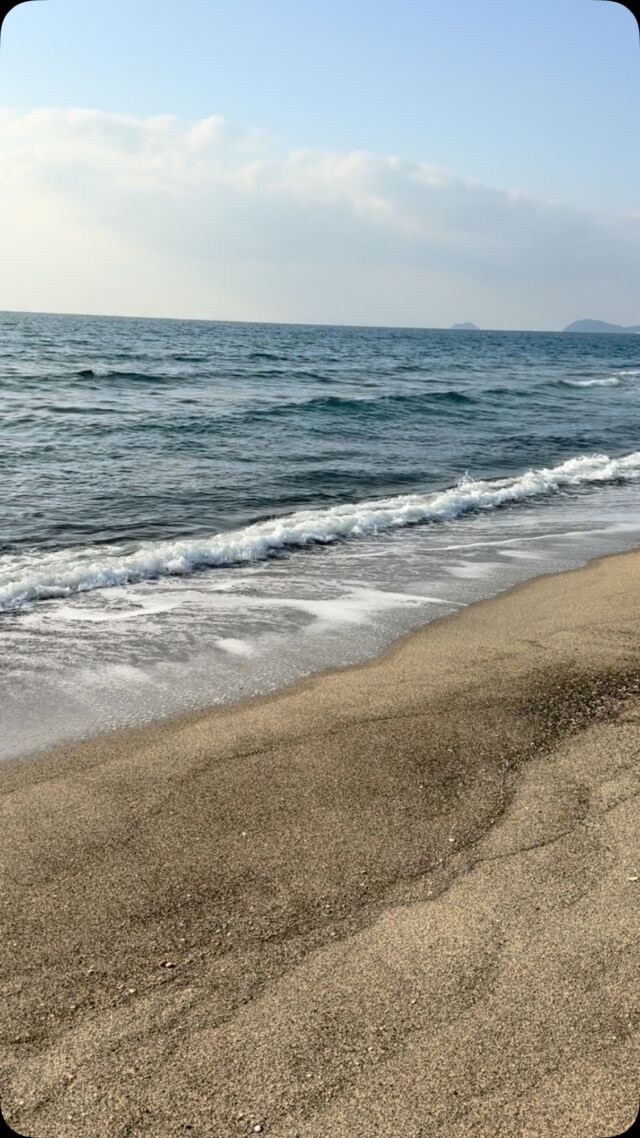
{"points": [[465, 327], [599, 326]]}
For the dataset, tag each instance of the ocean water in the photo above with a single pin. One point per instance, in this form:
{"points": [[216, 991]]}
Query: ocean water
{"points": [[193, 512]]}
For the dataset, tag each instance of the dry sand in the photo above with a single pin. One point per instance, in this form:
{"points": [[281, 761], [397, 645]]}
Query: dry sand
{"points": [[401, 900]]}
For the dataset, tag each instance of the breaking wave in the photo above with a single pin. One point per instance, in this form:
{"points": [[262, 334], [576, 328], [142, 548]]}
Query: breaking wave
{"points": [[606, 381], [610, 381], [63, 573]]}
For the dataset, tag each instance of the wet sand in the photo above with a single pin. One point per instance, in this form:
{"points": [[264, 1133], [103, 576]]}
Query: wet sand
{"points": [[400, 900]]}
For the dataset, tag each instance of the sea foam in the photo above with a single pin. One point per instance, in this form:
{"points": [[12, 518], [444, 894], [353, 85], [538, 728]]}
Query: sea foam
{"points": [[27, 580], [604, 381], [608, 381]]}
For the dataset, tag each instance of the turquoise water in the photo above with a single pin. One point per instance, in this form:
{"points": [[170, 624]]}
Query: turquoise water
{"points": [[195, 510]]}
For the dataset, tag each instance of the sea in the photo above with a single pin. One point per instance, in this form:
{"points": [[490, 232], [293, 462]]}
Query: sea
{"points": [[194, 512]]}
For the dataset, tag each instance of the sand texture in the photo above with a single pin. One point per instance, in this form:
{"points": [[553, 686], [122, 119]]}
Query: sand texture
{"points": [[401, 900]]}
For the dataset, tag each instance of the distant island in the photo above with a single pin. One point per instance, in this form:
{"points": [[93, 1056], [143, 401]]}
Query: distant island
{"points": [[466, 327], [599, 326]]}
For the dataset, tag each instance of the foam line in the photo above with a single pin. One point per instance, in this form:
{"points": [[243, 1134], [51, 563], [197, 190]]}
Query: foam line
{"points": [[28, 580]]}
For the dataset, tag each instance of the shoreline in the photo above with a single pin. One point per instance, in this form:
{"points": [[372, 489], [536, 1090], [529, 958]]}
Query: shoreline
{"points": [[382, 899], [130, 732], [94, 676]]}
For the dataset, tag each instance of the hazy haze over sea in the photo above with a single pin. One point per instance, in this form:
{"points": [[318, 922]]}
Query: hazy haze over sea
{"points": [[193, 512]]}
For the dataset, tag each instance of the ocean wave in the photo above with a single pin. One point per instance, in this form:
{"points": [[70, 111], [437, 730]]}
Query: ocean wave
{"points": [[69, 572], [605, 381], [99, 372], [608, 381], [383, 404]]}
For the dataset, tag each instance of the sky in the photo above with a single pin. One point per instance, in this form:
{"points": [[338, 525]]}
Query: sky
{"points": [[359, 162]]}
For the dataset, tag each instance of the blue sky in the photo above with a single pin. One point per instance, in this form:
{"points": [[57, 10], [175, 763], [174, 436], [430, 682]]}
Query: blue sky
{"points": [[536, 96]]}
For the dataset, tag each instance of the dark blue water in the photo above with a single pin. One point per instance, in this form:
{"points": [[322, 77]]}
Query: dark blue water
{"points": [[188, 428], [193, 511]]}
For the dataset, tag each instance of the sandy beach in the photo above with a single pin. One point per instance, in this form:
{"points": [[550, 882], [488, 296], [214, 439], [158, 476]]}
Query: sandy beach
{"points": [[400, 900]]}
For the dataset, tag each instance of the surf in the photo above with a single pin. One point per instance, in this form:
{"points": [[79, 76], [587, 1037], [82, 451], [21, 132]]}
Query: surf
{"points": [[64, 573]]}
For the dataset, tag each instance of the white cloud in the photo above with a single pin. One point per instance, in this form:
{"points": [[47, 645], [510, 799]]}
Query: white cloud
{"points": [[108, 213]]}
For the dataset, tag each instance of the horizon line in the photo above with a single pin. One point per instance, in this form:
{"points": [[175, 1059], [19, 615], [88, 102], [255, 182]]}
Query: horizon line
{"points": [[275, 323]]}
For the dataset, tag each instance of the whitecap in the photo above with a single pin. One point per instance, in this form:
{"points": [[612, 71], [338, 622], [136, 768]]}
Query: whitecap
{"points": [[608, 381], [70, 572]]}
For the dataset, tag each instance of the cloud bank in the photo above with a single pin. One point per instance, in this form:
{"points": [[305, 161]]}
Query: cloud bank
{"points": [[108, 213]]}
